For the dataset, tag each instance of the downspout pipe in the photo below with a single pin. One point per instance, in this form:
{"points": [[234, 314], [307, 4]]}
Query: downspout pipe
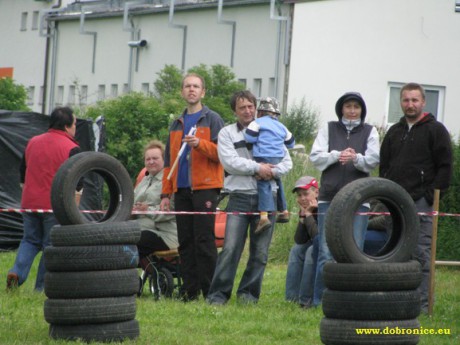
{"points": [[280, 19], [92, 33], [178, 26], [51, 33], [47, 45], [220, 20], [128, 25]]}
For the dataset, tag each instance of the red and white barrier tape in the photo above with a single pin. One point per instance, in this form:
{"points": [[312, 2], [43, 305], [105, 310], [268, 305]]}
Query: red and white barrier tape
{"points": [[36, 210]]}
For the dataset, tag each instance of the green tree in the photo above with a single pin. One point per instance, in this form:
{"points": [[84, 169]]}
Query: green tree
{"points": [[131, 121], [12, 96]]}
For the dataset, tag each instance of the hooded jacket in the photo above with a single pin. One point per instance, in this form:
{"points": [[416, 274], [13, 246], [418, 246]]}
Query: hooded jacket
{"points": [[335, 137], [419, 159]]}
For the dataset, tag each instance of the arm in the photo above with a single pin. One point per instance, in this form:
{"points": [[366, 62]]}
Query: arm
{"points": [[319, 155], [232, 162], [371, 157], [207, 146], [252, 132], [289, 140], [284, 166]]}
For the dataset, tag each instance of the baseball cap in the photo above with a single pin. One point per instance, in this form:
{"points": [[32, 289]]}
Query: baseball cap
{"points": [[305, 182]]}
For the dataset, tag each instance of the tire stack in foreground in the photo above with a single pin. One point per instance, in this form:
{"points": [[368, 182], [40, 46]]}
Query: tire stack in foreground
{"points": [[92, 279], [371, 299]]}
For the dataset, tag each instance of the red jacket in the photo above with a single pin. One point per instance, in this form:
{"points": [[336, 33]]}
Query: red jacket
{"points": [[205, 168], [43, 157]]}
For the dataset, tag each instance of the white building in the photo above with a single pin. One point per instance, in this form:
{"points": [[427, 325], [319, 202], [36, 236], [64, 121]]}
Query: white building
{"points": [[312, 49]]}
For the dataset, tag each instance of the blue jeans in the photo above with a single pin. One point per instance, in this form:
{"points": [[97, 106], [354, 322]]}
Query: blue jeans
{"points": [[264, 188], [236, 232], [37, 228], [301, 270], [324, 255]]}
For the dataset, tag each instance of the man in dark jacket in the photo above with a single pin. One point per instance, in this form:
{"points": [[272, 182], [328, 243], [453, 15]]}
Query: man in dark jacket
{"points": [[417, 154], [44, 155]]}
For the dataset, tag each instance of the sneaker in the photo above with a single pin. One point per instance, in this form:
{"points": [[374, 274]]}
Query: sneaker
{"points": [[12, 281], [264, 224], [283, 217]]}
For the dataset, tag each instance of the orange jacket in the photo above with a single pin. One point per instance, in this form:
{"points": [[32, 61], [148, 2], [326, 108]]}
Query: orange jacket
{"points": [[205, 168]]}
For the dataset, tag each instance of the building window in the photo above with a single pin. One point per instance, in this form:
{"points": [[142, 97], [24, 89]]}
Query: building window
{"points": [[40, 96], [71, 98], [23, 21], [125, 88], [35, 17], [271, 87], [257, 87], [83, 94], [30, 95], [60, 95], [434, 97], [101, 92], [146, 89], [114, 90], [243, 81]]}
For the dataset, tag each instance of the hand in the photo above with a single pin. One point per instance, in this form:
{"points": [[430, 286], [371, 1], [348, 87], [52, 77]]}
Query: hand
{"points": [[307, 207], [191, 140], [265, 171], [165, 204], [347, 155], [140, 206]]}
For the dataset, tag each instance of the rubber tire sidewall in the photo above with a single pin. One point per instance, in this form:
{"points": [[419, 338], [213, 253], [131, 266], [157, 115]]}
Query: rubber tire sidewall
{"points": [[339, 221]]}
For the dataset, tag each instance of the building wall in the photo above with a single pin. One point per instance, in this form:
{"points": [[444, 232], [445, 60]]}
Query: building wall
{"points": [[208, 42], [363, 45]]}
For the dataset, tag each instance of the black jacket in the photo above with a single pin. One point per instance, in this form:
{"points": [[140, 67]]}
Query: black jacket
{"points": [[419, 159]]}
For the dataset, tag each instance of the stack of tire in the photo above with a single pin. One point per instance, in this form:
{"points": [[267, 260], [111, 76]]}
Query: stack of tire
{"points": [[92, 279], [371, 299]]}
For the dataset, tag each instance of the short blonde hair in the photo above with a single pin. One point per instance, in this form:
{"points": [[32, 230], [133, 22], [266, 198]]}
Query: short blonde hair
{"points": [[155, 144]]}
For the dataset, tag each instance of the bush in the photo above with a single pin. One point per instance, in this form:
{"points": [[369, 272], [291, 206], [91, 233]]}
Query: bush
{"points": [[302, 120], [12, 96]]}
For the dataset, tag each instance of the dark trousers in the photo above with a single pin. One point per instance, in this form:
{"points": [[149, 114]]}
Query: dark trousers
{"points": [[150, 242], [197, 248]]}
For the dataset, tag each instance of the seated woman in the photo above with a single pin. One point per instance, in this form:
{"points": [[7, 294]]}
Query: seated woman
{"points": [[300, 276], [158, 231]]}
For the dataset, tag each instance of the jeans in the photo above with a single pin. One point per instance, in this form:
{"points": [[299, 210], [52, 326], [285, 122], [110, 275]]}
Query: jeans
{"points": [[197, 248], [37, 228], [264, 189], [236, 232], [301, 270], [324, 255], [423, 253]]}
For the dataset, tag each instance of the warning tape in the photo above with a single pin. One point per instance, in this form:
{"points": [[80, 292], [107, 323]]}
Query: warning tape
{"points": [[37, 210]]}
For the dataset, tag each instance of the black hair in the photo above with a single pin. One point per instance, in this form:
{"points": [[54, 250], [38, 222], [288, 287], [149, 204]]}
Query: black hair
{"points": [[61, 117]]}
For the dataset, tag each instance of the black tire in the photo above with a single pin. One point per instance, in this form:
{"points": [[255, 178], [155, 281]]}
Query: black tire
{"points": [[373, 305], [104, 332], [121, 193], [89, 310], [161, 283], [91, 284], [345, 332], [90, 258], [339, 221], [96, 234], [372, 276]]}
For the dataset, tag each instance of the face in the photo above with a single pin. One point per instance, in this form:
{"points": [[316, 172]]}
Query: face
{"points": [[305, 196], [153, 160], [351, 110], [244, 111], [412, 104], [72, 129], [192, 90]]}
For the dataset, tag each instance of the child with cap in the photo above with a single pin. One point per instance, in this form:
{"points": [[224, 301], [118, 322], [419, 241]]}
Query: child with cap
{"points": [[301, 270], [269, 138]]}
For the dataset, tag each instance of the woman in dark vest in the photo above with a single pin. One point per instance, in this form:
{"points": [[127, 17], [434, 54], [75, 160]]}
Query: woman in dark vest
{"points": [[344, 150]]}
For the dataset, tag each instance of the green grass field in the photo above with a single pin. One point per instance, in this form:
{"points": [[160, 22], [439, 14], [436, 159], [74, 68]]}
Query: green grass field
{"points": [[271, 321]]}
